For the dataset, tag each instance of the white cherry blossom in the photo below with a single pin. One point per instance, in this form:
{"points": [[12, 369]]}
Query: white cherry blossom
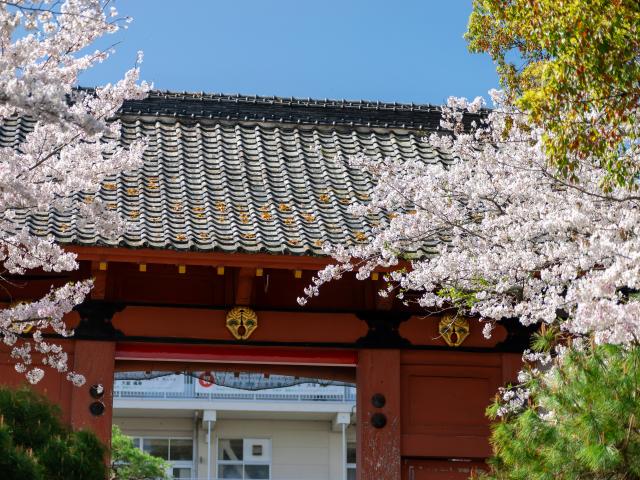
{"points": [[518, 240], [74, 145]]}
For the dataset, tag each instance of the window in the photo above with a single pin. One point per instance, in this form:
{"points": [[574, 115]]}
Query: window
{"points": [[177, 451], [181, 473], [351, 461], [244, 459], [158, 447]]}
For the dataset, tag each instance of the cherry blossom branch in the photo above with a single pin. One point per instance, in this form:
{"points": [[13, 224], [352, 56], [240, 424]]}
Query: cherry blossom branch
{"points": [[516, 240], [73, 148]]}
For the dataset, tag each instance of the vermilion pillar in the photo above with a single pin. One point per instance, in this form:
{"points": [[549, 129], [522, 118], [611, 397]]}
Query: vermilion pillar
{"points": [[96, 361], [378, 411]]}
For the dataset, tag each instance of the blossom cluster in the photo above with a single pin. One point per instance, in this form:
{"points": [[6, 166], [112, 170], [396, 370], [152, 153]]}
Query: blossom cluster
{"points": [[512, 400], [73, 147], [515, 236]]}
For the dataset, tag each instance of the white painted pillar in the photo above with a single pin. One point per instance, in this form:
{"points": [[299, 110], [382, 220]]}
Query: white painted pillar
{"points": [[208, 450], [340, 423], [209, 418], [344, 451], [196, 448]]}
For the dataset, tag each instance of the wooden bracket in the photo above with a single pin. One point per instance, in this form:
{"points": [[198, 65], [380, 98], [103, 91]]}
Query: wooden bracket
{"points": [[244, 285], [384, 303], [99, 273], [383, 330], [95, 320]]}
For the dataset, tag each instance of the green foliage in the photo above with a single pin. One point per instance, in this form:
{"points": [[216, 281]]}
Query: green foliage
{"points": [[131, 463], [459, 298], [545, 339], [35, 445], [581, 421], [577, 57]]}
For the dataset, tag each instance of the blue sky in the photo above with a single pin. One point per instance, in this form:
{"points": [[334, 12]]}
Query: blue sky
{"points": [[402, 50]]}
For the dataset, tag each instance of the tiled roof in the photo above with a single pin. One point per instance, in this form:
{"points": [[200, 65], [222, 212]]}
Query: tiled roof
{"points": [[243, 174]]}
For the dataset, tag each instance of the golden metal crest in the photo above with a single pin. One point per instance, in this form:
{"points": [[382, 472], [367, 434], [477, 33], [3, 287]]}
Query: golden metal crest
{"points": [[21, 328], [454, 330], [241, 322]]}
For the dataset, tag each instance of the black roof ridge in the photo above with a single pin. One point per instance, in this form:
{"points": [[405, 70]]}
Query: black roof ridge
{"points": [[286, 110], [275, 99]]}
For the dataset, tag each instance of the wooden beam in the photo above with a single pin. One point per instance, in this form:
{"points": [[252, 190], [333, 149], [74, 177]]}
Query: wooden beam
{"points": [[161, 322], [175, 257], [157, 323], [235, 354]]}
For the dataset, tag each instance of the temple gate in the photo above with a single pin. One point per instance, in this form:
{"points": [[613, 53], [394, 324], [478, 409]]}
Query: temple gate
{"points": [[229, 215]]}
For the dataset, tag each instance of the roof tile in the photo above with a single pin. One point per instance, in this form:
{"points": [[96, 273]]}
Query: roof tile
{"points": [[224, 179]]}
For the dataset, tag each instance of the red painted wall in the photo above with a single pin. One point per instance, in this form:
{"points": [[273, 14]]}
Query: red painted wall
{"points": [[435, 404], [95, 360], [455, 469], [51, 385]]}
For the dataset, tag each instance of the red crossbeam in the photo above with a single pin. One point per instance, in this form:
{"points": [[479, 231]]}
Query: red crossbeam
{"points": [[236, 354]]}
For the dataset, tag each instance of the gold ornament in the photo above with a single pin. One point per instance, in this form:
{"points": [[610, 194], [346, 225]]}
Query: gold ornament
{"points": [[241, 322], [21, 327], [454, 330]]}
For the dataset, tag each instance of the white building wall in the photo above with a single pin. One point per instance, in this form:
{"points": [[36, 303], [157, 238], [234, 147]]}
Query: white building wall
{"points": [[301, 449], [164, 426]]}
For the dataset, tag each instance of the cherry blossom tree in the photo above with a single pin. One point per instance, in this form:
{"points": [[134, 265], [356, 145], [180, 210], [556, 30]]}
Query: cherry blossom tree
{"points": [[515, 238], [73, 146], [535, 212]]}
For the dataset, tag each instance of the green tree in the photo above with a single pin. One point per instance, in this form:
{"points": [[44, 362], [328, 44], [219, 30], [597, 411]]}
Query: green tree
{"points": [[131, 463], [35, 445], [579, 420], [574, 67]]}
